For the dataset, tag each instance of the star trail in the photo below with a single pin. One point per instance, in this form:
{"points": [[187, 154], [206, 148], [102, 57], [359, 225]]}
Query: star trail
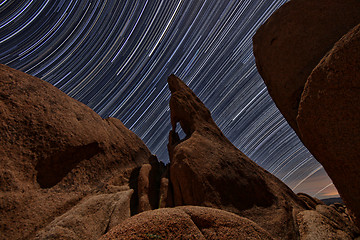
{"points": [[115, 57]]}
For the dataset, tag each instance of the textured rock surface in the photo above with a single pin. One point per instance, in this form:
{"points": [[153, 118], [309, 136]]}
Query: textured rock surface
{"points": [[149, 182], [54, 151], [91, 218], [325, 222], [310, 202], [22, 214], [207, 170], [187, 223], [329, 117], [56, 140], [293, 41]]}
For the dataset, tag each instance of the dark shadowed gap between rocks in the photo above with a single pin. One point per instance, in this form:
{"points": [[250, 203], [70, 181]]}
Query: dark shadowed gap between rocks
{"points": [[51, 170], [133, 184], [147, 183]]}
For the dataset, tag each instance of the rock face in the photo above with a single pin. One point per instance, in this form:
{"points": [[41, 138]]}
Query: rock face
{"points": [[149, 181], [326, 222], [55, 151], [82, 221], [310, 202], [329, 116], [207, 170], [65, 173], [56, 140], [315, 84], [188, 222], [293, 41]]}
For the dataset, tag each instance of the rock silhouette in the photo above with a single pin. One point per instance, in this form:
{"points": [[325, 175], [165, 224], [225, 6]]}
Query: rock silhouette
{"points": [[207, 170], [289, 45], [310, 64]]}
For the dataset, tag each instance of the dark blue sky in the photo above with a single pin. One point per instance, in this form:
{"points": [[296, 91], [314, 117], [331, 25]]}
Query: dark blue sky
{"points": [[115, 57]]}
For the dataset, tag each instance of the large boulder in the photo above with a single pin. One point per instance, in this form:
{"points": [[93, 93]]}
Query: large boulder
{"points": [[188, 222], [293, 41], [48, 139], [55, 151], [206, 169], [329, 117]]}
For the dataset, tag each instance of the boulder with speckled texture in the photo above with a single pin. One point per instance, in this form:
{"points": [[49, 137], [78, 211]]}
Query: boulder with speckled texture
{"points": [[188, 222]]}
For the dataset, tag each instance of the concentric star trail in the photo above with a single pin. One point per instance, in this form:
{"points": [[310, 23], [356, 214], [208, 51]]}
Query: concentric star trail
{"points": [[115, 56]]}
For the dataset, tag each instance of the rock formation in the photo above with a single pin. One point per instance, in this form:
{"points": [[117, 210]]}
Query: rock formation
{"points": [[293, 41], [310, 202], [187, 222], [326, 222], [90, 218], [207, 170], [315, 84], [54, 152], [65, 173], [58, 141], [329, 116], [149, 182]]}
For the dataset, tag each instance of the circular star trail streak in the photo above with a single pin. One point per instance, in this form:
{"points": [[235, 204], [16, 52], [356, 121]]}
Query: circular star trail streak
{"points": [[115, 57]]}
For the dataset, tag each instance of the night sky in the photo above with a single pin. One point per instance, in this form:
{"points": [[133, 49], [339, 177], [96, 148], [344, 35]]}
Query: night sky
{"points": [[115, 56]]}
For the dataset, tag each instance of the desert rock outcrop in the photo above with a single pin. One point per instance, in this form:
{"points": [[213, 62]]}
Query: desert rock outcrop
{"points": [[49, 139], [289, 45], [329, 117], [68, 174], [54, 152], [310, 63], [82, 221], [207, 170], [187, 222], [326, 222], [149, 182]]}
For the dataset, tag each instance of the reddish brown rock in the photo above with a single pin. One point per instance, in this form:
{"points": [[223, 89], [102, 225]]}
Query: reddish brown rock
{"points": [[293, 41], [54, 151], [22, 214], [90, 218], [325, 222], [207, 170], [310, 202], [329, 117], [149, 182], [57, 140], [187, 223], [143, 188], [165, 197]]}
